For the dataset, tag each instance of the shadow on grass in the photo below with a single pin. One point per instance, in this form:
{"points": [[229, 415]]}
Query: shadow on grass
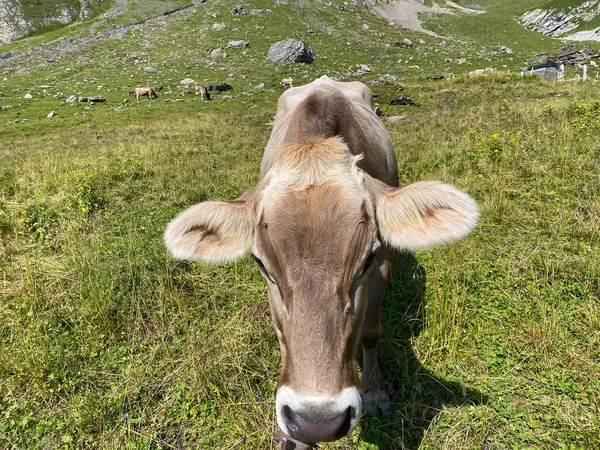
{"points": [[416, 394]]}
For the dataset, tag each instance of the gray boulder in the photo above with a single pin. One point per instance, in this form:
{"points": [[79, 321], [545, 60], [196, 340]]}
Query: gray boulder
{"points": [[217, 53], [239, 10], [290, 50], [406, 43], [150, 70], [238, 44]]}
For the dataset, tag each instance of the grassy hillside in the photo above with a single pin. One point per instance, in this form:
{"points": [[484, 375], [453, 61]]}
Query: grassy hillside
{"points": [[107, 342]]}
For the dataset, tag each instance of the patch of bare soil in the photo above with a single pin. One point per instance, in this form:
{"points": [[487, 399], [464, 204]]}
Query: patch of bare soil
{"points": [[406, 13]]}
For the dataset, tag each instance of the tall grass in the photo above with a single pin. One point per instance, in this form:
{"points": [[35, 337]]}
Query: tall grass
{"points": [[491, 342]]}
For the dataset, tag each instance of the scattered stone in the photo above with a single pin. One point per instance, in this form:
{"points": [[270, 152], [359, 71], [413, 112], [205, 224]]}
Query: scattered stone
{"points": [[434, 77], [187, 81], [238, 44], [403, 100], [45, 86], [100, 88], [478, 72], [376, 83], [406, 43], [505, 50], [421, 41], [219, 26], [150, 70], [59, 95], [5, 108], [4, 79], [52, 114], [239, 10], [77, 99], [290, 50], [364, 27], [362, 70], [282, 2], [259, 86], [396, 119], [125, 100], [28, 95], [94, 99], [257, 12], [366, 3], [217, 53]]}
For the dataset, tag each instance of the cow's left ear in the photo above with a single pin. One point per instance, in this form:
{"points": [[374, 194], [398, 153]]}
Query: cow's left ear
{"points": [[212, 232], [422, 215]]}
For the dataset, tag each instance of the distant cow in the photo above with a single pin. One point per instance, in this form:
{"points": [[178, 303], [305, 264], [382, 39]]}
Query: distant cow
{"points": [[322, 224], [148, 91], [286, 82], [203, 92]]}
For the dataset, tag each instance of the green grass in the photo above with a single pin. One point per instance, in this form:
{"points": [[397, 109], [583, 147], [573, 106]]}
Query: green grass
{"points": [[107, 342]]}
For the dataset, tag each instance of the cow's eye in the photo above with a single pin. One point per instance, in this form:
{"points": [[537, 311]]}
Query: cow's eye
{"points": [[370, 259], [262, 268]]}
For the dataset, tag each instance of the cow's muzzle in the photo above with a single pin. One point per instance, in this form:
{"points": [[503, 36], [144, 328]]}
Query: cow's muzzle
{"points": [[318, 418]]}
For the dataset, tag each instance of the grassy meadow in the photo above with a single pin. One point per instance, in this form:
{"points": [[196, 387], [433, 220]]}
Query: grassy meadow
{"points": [[106, 342]]}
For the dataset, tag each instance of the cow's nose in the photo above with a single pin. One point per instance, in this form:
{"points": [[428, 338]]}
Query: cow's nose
{"points": [[317, 418], [311, 428]]}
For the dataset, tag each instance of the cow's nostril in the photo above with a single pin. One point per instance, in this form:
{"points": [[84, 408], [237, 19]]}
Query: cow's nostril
{"points": [[291, 423], [345, 428]]}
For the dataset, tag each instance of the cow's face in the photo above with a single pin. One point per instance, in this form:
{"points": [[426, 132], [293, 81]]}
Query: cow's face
{"points": [[315, 248], [314, 225]]}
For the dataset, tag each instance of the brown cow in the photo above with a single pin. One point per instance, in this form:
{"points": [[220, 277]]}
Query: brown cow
{"points": [[322, 224], [286, 82], [145, 91], [203, 92]]}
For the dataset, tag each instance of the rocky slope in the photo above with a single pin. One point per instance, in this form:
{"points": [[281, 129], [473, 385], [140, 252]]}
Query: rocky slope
{"points": [[19, 18], [568, 23]]}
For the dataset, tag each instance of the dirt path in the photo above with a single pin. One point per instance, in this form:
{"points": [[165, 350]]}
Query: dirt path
{"points": [[406, 13]]}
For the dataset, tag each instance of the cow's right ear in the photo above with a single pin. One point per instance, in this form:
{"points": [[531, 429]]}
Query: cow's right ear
{"points": [[212, 232]]}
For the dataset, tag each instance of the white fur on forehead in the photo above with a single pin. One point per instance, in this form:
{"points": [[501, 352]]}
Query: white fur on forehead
{"points": [[298, 166]]}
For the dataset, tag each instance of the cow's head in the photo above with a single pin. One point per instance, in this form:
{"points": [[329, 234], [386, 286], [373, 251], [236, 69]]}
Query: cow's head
{"points": [[315, 225]]}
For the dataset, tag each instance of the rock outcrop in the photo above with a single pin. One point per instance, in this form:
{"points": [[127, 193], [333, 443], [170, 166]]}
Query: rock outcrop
{"points": [[564, 23], [19, 19]]}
